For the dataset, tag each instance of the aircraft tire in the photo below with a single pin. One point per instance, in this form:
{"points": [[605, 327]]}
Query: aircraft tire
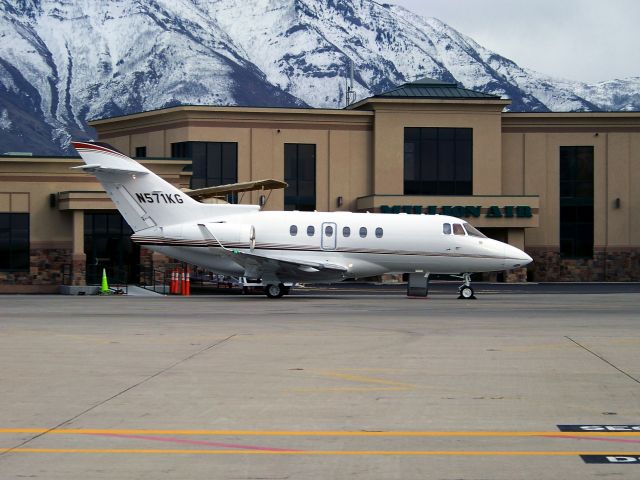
{"points": [[274, 290], [466, 293]]}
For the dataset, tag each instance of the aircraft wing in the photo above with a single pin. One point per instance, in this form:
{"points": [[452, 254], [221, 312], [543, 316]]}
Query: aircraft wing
{"points": [[278, 265]]}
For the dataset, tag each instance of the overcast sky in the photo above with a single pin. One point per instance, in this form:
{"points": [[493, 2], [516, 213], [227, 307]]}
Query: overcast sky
{"points": [[588, 40]]}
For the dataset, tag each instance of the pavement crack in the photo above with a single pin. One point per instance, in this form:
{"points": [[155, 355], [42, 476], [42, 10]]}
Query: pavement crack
{"points": [[603, 359], [128, 389]]}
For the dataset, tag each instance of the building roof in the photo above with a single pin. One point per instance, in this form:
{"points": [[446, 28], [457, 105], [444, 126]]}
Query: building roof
{"points": [[431, 88]]}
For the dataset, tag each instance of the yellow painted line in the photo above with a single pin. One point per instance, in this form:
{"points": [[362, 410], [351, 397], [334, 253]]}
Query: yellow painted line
{"points": [[309, 452], [348, 389], [364, 379], [311, 433]]}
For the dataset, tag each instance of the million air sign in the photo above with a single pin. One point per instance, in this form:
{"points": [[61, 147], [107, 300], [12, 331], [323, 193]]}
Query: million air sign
{"points": [[469, 211], [488, 211]]}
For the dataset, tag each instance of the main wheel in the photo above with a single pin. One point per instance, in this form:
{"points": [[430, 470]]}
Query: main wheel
{"points": [[466, 293], [274, 291]]}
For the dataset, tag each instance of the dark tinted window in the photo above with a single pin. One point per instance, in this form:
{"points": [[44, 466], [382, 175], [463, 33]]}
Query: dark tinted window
{"points": [[107, 244], [576, 202], [363, 232], [328, 231], [438, 161], [311, 231], [379, 232], [14, 241], [141, 152], [293, 230], [213, 163], [346, 232], [300, 175]]}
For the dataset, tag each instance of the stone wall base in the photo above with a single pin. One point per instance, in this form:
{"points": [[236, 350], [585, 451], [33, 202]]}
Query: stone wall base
{"points": [[610, 265]]}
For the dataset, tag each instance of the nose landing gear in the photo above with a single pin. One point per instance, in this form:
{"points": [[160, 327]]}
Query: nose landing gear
{"points": [[465, 290]]}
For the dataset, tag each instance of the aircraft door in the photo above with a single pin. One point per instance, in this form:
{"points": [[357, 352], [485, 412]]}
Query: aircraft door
{"points": [[329, 236]]}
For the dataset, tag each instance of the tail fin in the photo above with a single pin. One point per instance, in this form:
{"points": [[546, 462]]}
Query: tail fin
{"points": [[144, 199]]}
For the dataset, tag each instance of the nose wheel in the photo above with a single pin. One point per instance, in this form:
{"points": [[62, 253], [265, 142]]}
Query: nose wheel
{"points": [[465, 290]]}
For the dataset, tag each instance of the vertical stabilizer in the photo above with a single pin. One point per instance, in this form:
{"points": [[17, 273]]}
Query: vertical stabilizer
{"points": [[143, 198]]}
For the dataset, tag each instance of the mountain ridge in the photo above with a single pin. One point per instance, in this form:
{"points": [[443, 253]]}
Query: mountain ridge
{"points": [[63, 62]]}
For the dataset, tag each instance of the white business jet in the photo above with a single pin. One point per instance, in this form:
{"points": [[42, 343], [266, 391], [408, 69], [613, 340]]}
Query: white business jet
{"points": [[285, 247]]}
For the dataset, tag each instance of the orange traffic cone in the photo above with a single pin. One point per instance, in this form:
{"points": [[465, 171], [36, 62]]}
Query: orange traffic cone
{"points": [[174, 281], [187, 284], [183, 283]]}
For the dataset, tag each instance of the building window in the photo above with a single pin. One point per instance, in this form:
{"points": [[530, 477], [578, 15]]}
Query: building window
{"points": [[14, 241], [576, 202], [108, 245], [300, 175], [141, 152], [438, 161], [214, 163]]}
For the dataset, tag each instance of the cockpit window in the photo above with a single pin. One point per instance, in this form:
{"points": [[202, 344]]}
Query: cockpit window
{"points": [[457, 229], [473, 232], [446, 228]]}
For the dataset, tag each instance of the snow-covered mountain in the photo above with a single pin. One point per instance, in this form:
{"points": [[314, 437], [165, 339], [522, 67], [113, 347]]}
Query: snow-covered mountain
{"points": [[63, 62]]}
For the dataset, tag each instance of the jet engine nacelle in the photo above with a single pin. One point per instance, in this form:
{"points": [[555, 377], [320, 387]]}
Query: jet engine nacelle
{"points": [[229, 235], [233, 235]]}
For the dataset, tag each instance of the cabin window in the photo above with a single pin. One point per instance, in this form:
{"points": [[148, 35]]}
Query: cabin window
{"points": [[363, 232], [311, 230], [457, 229], [379, 232], [293, 230], [346, 232], [446, 228], [328, 231], [473, 232]]}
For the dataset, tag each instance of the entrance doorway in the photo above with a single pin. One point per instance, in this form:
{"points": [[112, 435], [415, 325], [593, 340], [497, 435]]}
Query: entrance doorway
{"points": [[107, 244]]}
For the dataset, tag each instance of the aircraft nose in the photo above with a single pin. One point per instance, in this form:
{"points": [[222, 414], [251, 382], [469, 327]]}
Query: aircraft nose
{"points": [[516, 257]]}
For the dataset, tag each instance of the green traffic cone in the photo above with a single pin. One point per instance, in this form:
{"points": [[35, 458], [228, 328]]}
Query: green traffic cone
{"points": [[105, 286]]}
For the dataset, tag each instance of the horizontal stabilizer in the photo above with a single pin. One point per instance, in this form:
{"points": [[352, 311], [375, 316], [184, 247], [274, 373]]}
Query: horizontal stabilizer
{"points": [[99, 168]]}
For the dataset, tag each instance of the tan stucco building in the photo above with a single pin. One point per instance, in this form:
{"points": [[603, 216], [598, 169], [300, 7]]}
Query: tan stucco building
{"points": [[558, 185]]}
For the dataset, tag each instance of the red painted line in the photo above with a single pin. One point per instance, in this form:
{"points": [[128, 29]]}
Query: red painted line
{"points": [[598, 439], [198, 442]]}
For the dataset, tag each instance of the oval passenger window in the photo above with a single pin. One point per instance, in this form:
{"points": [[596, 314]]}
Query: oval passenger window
{"points": [[293, 230], [363, 232], [328, 231], [379, 232], [311, 231], [346, 232]]}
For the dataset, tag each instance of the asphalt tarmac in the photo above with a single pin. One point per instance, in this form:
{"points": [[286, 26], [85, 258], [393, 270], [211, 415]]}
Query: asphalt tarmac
{"points": [[348, 382]]}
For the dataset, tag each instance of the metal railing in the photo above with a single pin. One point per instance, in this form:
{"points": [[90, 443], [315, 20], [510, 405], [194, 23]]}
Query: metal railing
{"points": [[155, 279]]}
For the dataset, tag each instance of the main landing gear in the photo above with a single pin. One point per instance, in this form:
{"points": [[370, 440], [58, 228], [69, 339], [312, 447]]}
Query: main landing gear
{"points": [[465, 290], [274, 290]]}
